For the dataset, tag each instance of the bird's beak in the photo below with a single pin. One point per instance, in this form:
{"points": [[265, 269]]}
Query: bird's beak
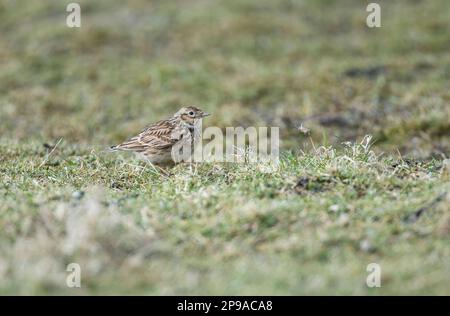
{"points": [[205, 114]]}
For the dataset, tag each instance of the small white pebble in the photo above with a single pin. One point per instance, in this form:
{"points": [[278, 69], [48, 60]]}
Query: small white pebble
{"points": [[334, 208], [366, 245], [77, 195], [343, 219]]}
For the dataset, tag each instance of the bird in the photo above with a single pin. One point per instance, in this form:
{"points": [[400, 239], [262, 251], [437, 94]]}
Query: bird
{"points": [[168, 141]]}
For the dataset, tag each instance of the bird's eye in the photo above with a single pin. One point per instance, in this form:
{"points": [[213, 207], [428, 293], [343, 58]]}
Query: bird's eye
{"points": [[191, 113]]}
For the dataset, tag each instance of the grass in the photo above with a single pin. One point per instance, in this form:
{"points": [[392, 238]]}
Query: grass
{"points": [[222, 229], [310, 227]]}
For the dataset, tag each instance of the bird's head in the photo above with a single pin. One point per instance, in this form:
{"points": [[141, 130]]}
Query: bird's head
{"points": [[191, 114]]}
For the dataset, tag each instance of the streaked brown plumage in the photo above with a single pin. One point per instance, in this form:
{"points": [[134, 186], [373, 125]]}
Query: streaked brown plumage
{"points": [[156, 141]]}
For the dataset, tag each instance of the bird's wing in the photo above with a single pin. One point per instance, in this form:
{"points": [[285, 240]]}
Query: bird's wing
{"points": [[160, 136]]}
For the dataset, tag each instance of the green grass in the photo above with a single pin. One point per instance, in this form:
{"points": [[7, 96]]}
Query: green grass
{"points": [[222, 229], [226, 228]]}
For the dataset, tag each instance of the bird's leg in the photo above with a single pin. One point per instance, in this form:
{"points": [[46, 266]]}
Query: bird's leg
{"points": [[159, 170], [164, 170]]}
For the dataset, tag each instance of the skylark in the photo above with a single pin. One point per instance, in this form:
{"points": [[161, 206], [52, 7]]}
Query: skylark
{"points": [[161, 142]]}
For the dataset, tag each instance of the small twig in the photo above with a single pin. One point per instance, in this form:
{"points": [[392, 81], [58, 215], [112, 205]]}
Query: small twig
{"points": [[412, 218], [312, 143], [50, 153]]}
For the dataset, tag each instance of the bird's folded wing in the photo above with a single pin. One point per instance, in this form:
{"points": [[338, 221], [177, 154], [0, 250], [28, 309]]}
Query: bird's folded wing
{"points": [[159, 136]]}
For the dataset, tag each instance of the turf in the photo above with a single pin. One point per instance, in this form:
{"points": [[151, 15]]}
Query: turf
{"points": [[338, 201]]}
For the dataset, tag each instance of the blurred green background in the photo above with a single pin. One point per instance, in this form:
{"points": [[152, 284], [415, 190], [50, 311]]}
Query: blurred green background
{"points": [[278, 63], [310, 227]]}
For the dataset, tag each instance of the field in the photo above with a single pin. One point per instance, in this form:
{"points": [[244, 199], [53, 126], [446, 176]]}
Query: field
{"points": [[339, 200]]}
